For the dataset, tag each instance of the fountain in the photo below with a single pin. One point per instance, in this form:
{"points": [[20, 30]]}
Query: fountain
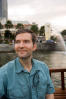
{"points": [[60, 44]]}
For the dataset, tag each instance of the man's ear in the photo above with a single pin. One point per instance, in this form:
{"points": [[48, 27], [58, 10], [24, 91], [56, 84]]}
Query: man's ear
{"points": [[34, 47]]}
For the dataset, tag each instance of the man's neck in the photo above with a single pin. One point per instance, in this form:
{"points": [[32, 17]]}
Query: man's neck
{"points": [[27, 63]]}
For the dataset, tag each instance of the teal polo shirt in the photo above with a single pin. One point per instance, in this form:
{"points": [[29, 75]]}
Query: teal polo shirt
{"points": [[18, 83]]}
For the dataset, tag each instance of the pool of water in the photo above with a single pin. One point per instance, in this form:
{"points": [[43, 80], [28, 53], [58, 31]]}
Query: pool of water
{"points": [[55, 59]]}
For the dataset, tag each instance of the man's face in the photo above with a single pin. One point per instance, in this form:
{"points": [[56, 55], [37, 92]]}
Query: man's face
{"points": [[24, 45]]}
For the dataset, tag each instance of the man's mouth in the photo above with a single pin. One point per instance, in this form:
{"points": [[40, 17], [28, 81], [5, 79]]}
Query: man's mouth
{"points": [[22, 50]]}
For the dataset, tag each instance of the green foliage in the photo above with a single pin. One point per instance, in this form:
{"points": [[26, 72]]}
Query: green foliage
{"points": [[6, 41], [53, 38], [1, 41], [63, 32], [42, 31], [8, 34], [20, 26], [0, 36], [1, 26], [8, 24], [12, 37], [34, 28]]}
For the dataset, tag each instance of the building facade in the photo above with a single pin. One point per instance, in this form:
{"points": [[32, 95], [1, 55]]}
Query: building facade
{"points": [[48, 31], [3, 11]]}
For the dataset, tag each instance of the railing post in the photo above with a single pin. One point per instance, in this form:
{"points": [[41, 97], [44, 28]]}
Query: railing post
{"points": [[62, 70], [62, 81]]}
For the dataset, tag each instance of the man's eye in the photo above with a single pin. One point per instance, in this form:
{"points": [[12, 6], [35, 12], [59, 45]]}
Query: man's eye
{"points": [[26, 41], [17, 42]]}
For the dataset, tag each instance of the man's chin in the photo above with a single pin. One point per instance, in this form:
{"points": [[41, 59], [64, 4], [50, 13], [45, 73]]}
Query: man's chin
{"points": [[24, 57]]}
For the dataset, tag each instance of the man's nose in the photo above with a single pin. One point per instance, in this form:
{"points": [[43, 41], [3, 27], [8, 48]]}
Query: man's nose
{"points": [[21, 44]]}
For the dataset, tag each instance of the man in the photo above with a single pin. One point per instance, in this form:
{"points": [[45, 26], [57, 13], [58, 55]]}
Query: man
{"points": [[25, 77]]}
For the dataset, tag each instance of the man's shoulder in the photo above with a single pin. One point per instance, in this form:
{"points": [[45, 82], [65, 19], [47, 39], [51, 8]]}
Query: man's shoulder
{"points": [[40, 63], [7, 66], [42, 66]]}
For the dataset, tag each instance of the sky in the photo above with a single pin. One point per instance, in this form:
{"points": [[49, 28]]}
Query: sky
{"points": [[39, 11]]}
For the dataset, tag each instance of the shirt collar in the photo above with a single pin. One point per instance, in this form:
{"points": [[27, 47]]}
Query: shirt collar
{"points": [[19, 67], [35, 64], [35, 67]]}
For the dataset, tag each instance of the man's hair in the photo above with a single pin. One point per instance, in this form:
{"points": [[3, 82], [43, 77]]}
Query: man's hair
{"points": [[20, 31]]}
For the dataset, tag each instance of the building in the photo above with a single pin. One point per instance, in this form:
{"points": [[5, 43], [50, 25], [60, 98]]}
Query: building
{"points": [[21, 22], [48, 31], [3, 11]]}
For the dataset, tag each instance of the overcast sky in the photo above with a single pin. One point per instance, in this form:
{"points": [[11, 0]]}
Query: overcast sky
{"points": [[39, 11]]}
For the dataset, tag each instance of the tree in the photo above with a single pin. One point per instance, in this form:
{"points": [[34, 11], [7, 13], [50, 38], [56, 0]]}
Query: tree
{"points": [[1, 26], [0, 36], [34, 28], [8, 24], [8, 34], [19, 26], [63, 32], [42, 31], [53, 38]]}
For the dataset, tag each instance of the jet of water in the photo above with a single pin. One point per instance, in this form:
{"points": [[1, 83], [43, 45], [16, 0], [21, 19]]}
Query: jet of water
{"points": [[60, 44]]}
